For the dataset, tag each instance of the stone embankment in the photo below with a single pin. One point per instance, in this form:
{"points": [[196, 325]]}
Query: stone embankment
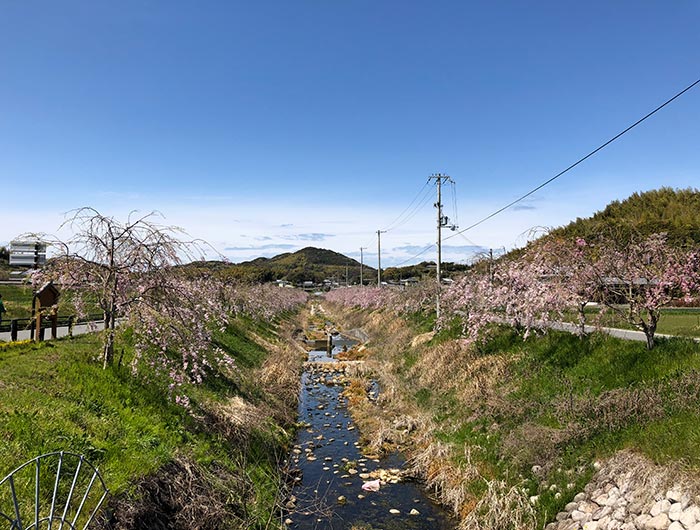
{"points": [[630, 493]]}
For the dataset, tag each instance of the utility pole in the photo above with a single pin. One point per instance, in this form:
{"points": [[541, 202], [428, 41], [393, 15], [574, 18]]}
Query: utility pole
{"points": [[379, 257], [362, 262], [442, 221]]}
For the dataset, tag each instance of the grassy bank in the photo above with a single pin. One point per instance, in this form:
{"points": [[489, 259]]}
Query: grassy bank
{"points": [[513, 427], [215, 466]]}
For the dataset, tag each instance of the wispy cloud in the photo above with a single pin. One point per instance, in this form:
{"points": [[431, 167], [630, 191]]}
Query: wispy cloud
{"points": [[313, 236], [272, 246]]}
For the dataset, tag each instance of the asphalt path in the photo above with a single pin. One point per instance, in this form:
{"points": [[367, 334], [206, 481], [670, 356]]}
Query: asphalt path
{"points": [[626, 334]]}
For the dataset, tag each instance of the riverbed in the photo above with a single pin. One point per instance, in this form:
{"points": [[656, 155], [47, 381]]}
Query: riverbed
{"points": [[331, 469]]}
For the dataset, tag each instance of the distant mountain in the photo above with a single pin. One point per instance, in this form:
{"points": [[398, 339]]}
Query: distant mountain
{"points": [[308, 264], [676, 212]]}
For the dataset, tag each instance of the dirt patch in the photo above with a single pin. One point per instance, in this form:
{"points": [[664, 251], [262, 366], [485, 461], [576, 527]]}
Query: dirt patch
{"points": [[181, 496]]}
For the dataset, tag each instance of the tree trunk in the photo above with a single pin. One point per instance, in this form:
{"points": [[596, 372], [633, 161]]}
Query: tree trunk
{"points": [[108, 353], [651, 328], [582, 319]]}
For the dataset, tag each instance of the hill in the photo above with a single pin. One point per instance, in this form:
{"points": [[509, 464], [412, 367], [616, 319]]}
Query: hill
{"points": [[664, 210], [308, 264]]}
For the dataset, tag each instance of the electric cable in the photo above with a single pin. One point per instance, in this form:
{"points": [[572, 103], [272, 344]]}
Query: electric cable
{"points": [[389, 226], [579, 161], [426, 249], [417, 208]]}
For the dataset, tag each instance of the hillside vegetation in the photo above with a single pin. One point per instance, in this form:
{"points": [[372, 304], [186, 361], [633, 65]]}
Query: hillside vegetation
{"points": [[308, 264], [668, 210]]}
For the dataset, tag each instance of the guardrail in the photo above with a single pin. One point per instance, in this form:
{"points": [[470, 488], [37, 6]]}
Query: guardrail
{"points": [[15, 325]]}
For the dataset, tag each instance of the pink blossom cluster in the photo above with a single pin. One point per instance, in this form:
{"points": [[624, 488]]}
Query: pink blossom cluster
{"points": [[362, 297], [409, 299], [175, 339], [635, 279]]}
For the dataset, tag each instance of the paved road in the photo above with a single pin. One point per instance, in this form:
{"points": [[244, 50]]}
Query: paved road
{"points": [[626, 334], [61, 331]]}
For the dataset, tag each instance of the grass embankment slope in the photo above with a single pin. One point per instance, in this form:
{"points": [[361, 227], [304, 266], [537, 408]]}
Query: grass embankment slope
{"points": [[214, 467], [489, 427]]}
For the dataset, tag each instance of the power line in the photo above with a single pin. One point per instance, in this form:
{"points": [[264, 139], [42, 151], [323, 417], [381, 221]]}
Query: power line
{"points": [[580, 160], [425, 199], [389, 226], [426, 249]]}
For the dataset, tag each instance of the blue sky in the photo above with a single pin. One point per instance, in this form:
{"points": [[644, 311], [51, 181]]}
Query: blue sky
{"points": [[264, 127]]}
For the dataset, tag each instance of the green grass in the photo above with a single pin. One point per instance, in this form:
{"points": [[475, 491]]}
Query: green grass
{"points": [[684, 322], [54, 396], [606, 382], [55, 399], [18, 302]]}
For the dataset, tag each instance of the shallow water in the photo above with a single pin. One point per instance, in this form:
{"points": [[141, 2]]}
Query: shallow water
{"points": [[330, 463]]}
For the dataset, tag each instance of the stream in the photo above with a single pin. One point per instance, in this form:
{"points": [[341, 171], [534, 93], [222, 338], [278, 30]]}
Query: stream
{"points": [[330, 469]]}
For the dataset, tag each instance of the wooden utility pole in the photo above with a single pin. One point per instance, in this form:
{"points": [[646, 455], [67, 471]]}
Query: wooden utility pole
{"points": [[379, 257], [362, 261]]}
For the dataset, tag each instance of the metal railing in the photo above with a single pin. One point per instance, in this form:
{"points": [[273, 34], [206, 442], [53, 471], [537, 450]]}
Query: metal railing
{"points": [[53, 491], [15, 325]]}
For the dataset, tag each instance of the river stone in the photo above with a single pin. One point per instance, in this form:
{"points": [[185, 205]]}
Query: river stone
{"points": [[580, 497], [620, 514], [613, 498], [414, 512], [562, 515], [662, 506], [571, 506], [600, 500], [675, 525], [674, 495], [608, 524], [602, 512], [588, 507], [592, 525], [641, 520], [659, 522], [675, 511], [581, 517], [394, 511], [690, 516]]}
